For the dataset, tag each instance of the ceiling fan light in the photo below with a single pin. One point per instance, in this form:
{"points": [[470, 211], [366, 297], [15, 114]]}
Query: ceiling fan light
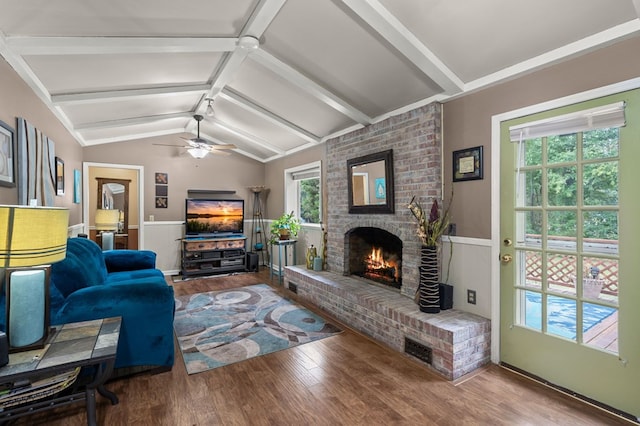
{"points": [[198, 152], [209, 111]]}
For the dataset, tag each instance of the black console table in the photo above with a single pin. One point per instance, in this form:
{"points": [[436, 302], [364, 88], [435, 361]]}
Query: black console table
{"points": [[75, 345]]}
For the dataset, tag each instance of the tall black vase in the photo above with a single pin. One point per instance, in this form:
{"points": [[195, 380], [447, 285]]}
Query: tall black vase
{"points": [[429, 290]]}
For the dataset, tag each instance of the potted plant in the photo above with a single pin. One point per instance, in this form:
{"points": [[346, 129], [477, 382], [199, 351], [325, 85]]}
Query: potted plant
{"points": [[432, 225], [285, 227]]}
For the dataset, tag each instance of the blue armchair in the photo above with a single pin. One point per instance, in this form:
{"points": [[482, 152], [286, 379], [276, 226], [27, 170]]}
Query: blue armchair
{"points": [[91, 284]]}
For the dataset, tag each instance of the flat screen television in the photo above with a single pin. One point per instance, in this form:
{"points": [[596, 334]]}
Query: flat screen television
{"points": [[209, 217]]}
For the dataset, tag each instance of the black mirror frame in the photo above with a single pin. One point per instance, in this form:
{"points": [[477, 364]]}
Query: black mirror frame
{"points": [[389, 206]]}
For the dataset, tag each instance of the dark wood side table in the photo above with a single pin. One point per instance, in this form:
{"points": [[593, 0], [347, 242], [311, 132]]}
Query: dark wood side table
{"points": [[82, 344]]}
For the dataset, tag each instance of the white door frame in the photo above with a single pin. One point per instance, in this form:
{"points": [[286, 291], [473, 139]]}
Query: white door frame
{"points": [[85, 195], [495, 186]]}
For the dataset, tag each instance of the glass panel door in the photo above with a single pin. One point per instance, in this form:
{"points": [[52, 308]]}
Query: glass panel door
{"points": [[566, 315]]}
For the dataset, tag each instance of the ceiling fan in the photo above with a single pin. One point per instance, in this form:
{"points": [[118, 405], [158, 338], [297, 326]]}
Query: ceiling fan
{"points": [[199, 147]]}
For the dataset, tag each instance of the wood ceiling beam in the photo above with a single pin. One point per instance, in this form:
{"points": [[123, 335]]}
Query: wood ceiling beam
{"points": [[396, 34], [132, 121], [237, 99], [311, 87], [117, 45], [119, 95]]}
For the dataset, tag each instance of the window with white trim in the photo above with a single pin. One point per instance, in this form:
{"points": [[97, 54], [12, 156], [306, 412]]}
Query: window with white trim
{"points": [[302, 185]]}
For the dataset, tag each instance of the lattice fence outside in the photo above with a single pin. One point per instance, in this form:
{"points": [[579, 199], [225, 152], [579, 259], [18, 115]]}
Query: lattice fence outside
{"points": [[561, 270]]}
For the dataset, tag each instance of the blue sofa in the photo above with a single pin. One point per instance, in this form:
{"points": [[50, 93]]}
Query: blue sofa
{"points": [[91, 284]]}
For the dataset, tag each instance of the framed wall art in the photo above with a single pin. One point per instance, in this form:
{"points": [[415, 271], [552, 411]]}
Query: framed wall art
{"points": [[59, 176], [7, 155], [77, 186], [467, 164]]}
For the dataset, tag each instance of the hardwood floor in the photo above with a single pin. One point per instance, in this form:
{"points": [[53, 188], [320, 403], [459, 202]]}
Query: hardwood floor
{"points": [[346, 379]]}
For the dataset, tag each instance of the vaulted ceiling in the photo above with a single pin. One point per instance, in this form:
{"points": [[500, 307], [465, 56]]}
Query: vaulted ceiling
{"points": [[283, 74]]}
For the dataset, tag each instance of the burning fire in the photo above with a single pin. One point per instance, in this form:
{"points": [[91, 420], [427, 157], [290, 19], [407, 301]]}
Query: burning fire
{"points": [[376, 263]]}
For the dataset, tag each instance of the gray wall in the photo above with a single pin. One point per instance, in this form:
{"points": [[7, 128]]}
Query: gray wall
{"points": [[18, 100], [274, 178], [230, 173], [467, 120]]}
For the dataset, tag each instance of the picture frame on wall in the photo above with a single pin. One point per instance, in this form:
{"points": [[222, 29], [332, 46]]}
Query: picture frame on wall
{"points": [[467, 164], [59, 176], [77, 186], [7, 155]]}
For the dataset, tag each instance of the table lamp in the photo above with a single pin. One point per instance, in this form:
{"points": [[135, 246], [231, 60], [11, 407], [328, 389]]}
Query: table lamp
{"points": [[107, 224], [31, 239]]}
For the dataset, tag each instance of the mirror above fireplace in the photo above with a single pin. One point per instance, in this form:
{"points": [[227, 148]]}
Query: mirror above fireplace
{"points": [[370, 182]]}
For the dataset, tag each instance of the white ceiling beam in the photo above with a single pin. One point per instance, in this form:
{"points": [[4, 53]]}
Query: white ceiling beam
{"points": [[230, 66], [262, 16], [109, 124], [134, 136], [237, 99], [117, 45], [396, 34], [119, 95], [260, 19], [256, 140], [28, 76], [311, 87]]}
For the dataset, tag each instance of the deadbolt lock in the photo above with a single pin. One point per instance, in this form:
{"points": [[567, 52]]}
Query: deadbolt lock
{"points": [[507, 242]]}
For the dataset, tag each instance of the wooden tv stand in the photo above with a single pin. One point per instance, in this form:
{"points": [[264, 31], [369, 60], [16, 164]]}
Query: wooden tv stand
{"points": [[205, 256]]}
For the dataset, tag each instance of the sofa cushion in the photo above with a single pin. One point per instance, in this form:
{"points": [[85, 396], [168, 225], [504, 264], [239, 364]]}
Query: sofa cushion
{"points": [[133, 275], [84, 266], [129, 260]]}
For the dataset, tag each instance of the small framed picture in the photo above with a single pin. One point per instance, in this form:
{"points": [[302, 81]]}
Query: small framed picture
{"points": [[467, 164], [77, 186], [59, 176], [162, 178], [7, 157], [162, 202]]}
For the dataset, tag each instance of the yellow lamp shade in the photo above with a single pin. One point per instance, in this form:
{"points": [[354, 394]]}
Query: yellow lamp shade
{"points": [[107, 220], [31, 236]]}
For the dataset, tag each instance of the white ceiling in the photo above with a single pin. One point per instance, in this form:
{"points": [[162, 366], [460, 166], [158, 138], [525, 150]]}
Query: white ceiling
{"points": [[285, 74]]}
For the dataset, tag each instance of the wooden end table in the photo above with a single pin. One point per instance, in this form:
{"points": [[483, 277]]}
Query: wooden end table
{"points": [[73, 345]]}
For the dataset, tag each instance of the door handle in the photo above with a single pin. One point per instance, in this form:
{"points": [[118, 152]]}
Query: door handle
{"points": [[506, 258]]}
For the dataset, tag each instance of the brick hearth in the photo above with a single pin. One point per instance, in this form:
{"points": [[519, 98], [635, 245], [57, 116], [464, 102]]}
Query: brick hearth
{"points": [[460, 341]]}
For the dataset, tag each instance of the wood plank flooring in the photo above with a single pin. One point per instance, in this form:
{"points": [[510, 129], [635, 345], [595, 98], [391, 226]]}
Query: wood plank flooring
{"points": [[346, 379]]}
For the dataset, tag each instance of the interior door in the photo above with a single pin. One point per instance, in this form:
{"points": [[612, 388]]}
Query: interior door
{"points": [[570, 244]]}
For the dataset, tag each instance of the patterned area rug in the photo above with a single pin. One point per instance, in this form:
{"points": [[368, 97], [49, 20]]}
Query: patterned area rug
{"points": [[223, 327]]}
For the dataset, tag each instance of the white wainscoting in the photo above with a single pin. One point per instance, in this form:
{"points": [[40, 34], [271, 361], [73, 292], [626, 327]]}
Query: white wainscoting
{"points": [[164, 238], [470, 269], [74, 230]]}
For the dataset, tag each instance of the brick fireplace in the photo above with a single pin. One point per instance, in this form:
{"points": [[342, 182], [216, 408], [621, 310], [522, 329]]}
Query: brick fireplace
{"points": [[415, 138], [374, 254], [380, 303]]}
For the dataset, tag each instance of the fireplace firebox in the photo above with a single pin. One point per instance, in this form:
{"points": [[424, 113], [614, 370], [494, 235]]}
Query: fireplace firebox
{"points": [[375, 254]]}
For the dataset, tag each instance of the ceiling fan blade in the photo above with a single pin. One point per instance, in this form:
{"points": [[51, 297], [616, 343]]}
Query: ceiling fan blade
{"points": [[223, 146], [200, 142], [216, 152], [166, 144]]}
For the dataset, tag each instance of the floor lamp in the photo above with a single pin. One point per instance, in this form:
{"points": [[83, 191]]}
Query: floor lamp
{"points": [[31, 239], [107, 224]]}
